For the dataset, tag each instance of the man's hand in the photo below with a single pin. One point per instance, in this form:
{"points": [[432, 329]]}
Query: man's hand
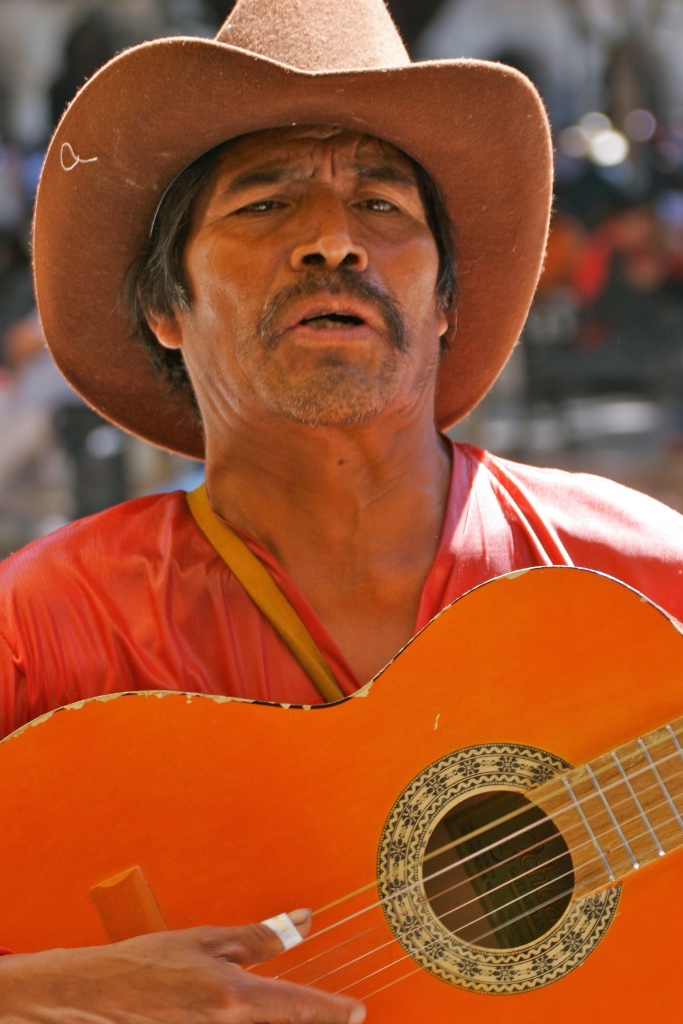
{"points": [[175, 977]]}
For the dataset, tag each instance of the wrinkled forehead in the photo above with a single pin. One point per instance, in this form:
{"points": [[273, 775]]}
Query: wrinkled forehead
{"points": [[291, 142], [297, 152]]}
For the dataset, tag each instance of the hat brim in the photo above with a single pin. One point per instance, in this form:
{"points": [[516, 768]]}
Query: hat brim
{"points": [[478, 128]]}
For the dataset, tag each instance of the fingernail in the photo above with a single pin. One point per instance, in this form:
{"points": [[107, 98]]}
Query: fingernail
{"points": [[357, 1015], [300, 916]]}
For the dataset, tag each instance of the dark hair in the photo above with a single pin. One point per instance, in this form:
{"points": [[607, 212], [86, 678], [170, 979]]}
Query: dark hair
{"points": [[156, 282]]}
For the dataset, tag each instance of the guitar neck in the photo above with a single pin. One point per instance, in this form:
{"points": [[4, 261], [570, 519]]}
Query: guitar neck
{"points": [[621, 811]]}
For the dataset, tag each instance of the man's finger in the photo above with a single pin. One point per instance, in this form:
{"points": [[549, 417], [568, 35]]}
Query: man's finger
{"points": [[290, 928], [270, 1001], [253, 943]]}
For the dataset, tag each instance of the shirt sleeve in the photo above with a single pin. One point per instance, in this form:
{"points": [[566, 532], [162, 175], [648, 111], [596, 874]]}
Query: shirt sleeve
{"points": [[13, 709], [606, 526]]}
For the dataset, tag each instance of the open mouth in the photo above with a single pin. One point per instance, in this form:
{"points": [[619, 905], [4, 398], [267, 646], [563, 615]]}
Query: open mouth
{"points": [[323, 320]]}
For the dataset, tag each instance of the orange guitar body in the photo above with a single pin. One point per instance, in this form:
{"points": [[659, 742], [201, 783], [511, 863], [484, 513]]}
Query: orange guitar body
{"points": [[236, 812]]}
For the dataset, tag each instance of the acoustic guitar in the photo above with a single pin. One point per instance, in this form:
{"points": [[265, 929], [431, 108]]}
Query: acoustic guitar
{"points": [[460, 865]]}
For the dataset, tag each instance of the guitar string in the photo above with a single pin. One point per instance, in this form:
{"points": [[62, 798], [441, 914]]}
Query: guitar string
{"points": [[400, 892], [547, 788], [406, 934], [553, 899], [546, 791], [470, 879], [471, 940], [644, 834], [468, 837], [443, 892], [569, 850], [406, 956], [546, 820]]}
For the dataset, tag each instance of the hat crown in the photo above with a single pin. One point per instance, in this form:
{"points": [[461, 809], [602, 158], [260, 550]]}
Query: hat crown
{"points": [[317, 35]]}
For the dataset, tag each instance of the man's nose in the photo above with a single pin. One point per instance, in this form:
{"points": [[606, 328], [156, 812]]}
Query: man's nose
{"points": [[330, 244]]}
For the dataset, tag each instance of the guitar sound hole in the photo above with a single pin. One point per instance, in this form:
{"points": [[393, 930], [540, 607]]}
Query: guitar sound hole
{"points": [[500, 874]]}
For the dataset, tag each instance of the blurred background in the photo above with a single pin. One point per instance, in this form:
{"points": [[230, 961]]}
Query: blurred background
{"points": [[596, 383]]}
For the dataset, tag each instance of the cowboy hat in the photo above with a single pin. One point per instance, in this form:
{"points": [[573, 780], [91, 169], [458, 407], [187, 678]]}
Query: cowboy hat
{"points": [[478, 128]]}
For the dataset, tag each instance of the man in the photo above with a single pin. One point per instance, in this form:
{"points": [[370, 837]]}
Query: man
{"points": [[297, 286]]}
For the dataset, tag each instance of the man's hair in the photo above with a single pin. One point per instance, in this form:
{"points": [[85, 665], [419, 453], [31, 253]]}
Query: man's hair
{"points": [[156, 282]]}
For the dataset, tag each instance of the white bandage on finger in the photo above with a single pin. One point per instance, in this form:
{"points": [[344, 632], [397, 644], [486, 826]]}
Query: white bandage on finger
{"points": [[287, 932]]}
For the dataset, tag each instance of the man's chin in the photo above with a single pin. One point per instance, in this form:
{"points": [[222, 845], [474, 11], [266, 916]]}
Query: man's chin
{"points": [[346, 405], [309, 415]]}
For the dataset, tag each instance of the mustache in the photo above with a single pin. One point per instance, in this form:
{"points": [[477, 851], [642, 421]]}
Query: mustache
{"points": [[342, 281]]}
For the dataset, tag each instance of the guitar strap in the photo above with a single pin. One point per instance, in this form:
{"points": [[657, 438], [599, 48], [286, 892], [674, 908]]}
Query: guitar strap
{"points": [[264, 592]]}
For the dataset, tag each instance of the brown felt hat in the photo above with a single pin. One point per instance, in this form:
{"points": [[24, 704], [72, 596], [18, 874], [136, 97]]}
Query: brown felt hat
{"points": [[478, 128]]}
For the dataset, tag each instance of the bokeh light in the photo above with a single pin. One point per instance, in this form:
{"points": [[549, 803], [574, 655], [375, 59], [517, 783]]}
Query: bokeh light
{"points": [[640, 125], [595, 138], [609, 148], [594, 122], [573, 142]]}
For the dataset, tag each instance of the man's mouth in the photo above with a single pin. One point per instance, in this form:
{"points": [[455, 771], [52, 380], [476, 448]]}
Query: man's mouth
{"points": [[334, 313], [339, 307], [326, 320]]}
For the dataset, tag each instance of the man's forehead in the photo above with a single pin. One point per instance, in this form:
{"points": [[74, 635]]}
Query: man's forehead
{"points": [[293, 143]]}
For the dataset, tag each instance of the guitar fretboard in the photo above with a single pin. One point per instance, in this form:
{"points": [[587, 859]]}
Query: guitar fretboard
{"points": [[621, 811]]}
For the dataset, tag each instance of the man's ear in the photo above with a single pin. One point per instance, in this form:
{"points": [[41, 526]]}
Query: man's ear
{"points": [[450, 320], [167, 329]]}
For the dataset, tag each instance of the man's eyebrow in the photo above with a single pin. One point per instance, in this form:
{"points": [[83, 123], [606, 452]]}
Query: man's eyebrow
{"points": [[389, 173], [259, 176]]}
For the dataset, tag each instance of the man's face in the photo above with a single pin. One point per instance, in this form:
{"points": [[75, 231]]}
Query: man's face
{"points": [[312, 274]]}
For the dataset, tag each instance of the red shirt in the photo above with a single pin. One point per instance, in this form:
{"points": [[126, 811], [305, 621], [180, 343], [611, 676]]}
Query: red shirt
{"points": [[136, 597]]}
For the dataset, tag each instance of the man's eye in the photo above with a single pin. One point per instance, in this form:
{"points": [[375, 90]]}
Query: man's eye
{"points": [[260, 206], [378, 205]]}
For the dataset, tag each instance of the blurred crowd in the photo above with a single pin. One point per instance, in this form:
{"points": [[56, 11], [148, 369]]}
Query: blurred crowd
{"points": [[608, 316], [608, 319], [58, 459]]}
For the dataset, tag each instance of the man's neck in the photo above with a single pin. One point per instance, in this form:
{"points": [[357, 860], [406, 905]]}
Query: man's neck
{"points": [[332, 492], [353, 515]]}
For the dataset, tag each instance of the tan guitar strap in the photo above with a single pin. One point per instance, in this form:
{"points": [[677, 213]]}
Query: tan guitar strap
{"points": [[264, 592]]}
